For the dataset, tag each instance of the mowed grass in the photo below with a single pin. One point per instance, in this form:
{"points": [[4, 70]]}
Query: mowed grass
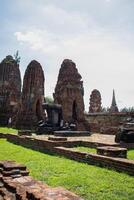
{"points": [[8, 130], [130, 153], [85, 149], [90, 182]]}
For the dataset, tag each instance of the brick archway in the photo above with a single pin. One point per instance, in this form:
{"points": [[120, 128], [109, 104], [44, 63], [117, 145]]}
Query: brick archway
{"points": [[38, 110], [74, 111]]}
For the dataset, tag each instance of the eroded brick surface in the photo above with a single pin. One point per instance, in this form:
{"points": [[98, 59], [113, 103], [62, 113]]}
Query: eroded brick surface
{"points": [[10, 89], [26, 188], [95, 102], [69, 93], [32, 96]]}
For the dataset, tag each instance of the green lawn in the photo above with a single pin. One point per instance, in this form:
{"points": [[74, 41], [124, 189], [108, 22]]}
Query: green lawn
{"points": [[85, 149], [130, 153], [8, 130], [90, 182]]}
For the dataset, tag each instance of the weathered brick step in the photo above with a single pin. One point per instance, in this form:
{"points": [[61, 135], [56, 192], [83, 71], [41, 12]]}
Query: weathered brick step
{"points": [[15, 188], [11, 187], [15, 172], [6, 195], [21, 193], [52, 194], [54, 138], [10, 165], [26, 188]]}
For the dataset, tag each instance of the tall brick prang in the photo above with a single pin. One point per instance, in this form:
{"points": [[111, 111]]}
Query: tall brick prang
{"points": [[69, 93], [10, 88], [95, 102], [32, 96]]}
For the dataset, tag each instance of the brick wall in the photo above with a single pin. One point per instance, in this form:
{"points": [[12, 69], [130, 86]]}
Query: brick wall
{"points": [[101, 122], [62, 148]]}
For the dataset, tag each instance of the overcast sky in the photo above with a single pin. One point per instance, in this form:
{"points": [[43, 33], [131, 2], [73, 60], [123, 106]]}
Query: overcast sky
{"points": [[98, 35]]}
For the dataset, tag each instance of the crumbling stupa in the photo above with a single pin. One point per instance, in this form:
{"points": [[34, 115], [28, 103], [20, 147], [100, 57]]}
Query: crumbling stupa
{"points": [[95, 102], [32, 96], [10, 89], [69, 92]]}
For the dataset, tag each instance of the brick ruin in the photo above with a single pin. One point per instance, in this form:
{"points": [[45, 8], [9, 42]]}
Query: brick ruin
{"points": [[95, 102], [69, 93], [10, 89], [104, 122], [25, 108], [15, 183], [107, 123], [32, 96]]}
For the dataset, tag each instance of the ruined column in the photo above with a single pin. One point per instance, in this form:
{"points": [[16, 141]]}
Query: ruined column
{"points": [[32, 96], [69, 92], [10, 89], [95, 102]]}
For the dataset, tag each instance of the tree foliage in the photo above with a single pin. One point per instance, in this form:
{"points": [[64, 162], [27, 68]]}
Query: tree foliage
{"points": [[17, 57], [127, 110], [49, 99]]}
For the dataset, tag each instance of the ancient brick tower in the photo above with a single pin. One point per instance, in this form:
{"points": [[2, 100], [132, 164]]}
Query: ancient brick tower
{"points": [[95, 102], [114, 107], [69, 93], [32, 96], [10, 89]]}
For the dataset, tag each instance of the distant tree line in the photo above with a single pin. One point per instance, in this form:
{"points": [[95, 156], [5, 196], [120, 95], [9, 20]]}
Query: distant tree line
{"points": [[49, 100], [123, 110], [127, 110]]}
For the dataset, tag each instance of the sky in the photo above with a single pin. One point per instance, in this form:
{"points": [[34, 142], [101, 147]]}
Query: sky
{"points": [[98, 35]]}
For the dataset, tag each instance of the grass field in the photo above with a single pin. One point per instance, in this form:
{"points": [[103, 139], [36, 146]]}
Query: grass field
{"points": [[90, 182], [8, 130], [85, 149], [130, 153]]}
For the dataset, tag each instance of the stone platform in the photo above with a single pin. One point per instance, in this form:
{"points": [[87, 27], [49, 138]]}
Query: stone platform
{"points": [[42, 144], [71, 133], [112, 151], [25, 132], [54, 138], [100, 139]]}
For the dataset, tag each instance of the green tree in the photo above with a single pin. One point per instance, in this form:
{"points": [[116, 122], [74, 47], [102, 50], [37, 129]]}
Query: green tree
{"points": [[127, 110], [17, 57], [49, 99]]}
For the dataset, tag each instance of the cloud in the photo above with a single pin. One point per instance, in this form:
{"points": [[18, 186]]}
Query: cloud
{"points": [[37, 40], [103, 57]]}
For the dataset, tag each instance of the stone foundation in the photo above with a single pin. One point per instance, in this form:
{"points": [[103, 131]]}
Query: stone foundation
{"points": [[25, 132], [71, 133], [119, 164], [62, 148], [53, 138], [112, 151], [24, 187]]}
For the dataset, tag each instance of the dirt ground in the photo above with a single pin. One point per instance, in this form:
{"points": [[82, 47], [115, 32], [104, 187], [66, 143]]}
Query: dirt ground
{"points": [[95, 137]]}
